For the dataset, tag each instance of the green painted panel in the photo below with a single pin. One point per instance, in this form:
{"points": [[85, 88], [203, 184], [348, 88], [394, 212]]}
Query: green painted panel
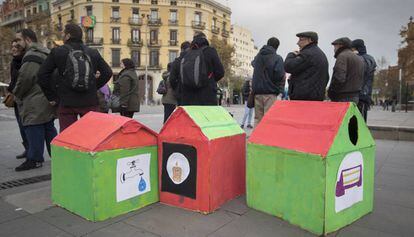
{"points": [[336, 220], [214, 121], [105, 183], [85, 183], [287, 184], [72, 181], [342, 143]]}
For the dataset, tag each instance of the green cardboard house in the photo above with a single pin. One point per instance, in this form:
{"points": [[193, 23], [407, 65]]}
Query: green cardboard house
{"points": [[312, 164]]}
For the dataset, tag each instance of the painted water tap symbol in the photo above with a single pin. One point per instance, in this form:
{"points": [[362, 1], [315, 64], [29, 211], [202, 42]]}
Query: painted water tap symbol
{"points": [[133, 172]]}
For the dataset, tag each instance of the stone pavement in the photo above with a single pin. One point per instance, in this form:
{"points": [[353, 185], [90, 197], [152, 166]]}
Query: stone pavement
{"points": [[27, 210]]}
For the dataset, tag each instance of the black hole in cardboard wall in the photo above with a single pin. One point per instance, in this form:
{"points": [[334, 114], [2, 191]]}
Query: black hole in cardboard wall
{"points": [[353, 130]]}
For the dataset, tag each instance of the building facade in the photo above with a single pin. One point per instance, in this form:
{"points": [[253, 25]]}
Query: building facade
{"points": [[147, 31], [245, 51]]}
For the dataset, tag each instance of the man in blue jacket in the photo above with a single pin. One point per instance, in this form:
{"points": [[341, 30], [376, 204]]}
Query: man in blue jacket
{"points": [[268, 78]]}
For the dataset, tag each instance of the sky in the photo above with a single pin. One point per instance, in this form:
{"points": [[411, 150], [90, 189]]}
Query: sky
{"points": [[376, 21]]}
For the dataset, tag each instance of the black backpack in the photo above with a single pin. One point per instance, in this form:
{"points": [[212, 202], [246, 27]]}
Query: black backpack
{"points": [[79, 74], [193, 69], [162, 88]]}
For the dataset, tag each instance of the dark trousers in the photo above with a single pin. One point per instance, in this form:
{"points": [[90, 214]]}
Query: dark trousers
{"points": [[168, 109], [128, 114], [21, 129], [69, 115], [37, 135], [363, 108]]}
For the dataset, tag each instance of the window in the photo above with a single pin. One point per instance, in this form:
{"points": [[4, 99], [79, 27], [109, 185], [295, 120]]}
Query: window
{"points": [[135, 1], [214, 23], [72, 14], [35, 10], [154, 14], [135, 13], [28, 13], [89, 35], [197, 17], [115, 0], [40, 8], [154, 2], [115, 12], [198, 5], [116, 35], [135, 35], [153, 36], [173, 35], [173, 16], [224, 26], [89, 10], [154, 56], [172, 56], [173, 3], [136, 57], [214, 11], [116, 57]]}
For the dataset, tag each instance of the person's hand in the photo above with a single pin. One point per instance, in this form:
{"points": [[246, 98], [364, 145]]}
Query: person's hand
{"points": [[296, 52], [52, 103]]}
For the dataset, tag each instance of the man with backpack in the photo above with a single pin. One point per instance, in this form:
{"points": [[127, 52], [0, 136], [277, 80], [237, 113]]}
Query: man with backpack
{"points": [[77, 84], [268, 78], [200, 70], [175, 77], [36, 113]]}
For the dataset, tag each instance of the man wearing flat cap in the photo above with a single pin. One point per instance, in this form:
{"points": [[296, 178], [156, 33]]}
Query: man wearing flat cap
{"points": [[308, 68], [358, 46], [348, 73]]}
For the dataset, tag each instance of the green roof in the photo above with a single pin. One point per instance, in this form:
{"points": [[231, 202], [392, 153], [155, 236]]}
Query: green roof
{"points": [[214, 121]]}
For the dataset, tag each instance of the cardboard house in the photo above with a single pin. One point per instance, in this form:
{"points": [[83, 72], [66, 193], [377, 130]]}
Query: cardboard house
{"points": [[202, 153], [104, 165], [312, 164]]}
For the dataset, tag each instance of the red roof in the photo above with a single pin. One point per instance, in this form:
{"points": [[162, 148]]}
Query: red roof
{"points": [[304, 126], [99, 131]]}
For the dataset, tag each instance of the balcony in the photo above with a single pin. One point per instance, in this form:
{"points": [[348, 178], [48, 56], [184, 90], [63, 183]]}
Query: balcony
{"points": [[173, 22], [116, 41], [225, 33], [199, 25], [94, 42], [37, 16], [215, 30], [173, 42], [154, 43], [135, 21], [115, 19], [154, 21], [134, 43]]}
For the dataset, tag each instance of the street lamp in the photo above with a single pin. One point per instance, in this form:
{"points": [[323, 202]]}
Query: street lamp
{"points": [[146, 62]]}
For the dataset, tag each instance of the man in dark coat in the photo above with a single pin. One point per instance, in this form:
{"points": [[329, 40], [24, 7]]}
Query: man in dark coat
{"points": [[72, 103], [358, 45], [268, 78], [206, 95], [348, 73], [308, 68], [175, 72], [17, 53]]}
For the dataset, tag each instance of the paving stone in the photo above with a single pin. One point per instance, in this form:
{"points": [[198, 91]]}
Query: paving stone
{"points": [[257, 224], [30, 226], [389, 218], [394, 195], [362, 232], [237, 206], [77, 225], [171, 221], [395, 181], [407, 170], [9, 212], [121, 229], [32, 201]]}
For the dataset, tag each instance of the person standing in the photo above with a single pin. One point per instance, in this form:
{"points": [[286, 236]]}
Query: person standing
{"points": [[268, 78], [348, 73], [308, 68], [37, 114], [365, 101], [126, 87], [17, 52], [169, 100], [77, 83], [248, 112], [175, 76]]}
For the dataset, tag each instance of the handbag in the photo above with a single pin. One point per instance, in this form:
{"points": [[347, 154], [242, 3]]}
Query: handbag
{"points": [[8, 101], [250, 100], [115, 100]]}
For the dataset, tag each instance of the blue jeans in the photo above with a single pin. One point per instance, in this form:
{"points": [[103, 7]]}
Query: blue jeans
{"points": [[37, 135], [248, 112], [21, 129]]}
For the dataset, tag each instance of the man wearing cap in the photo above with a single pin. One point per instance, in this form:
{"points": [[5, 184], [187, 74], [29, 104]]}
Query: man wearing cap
{"points": [[347, 74], [364, 103], [268, 78], [308, 68]]}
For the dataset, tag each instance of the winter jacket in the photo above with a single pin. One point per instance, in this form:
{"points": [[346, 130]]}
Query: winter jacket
{"points": [[309, 73], [369, 72], [206, 95], [68, 97], [268, 74], [126, 87], [246, 90], [34, 108], [347, 77], [175, 78], [15, 65], [168, 98]]}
